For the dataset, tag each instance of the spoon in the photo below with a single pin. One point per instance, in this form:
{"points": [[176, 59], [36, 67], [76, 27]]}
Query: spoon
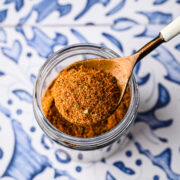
{"points": [[122, 67]]}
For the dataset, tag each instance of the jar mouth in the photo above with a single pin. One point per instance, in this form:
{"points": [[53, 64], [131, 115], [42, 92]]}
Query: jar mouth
{"points": [[72, 141]]}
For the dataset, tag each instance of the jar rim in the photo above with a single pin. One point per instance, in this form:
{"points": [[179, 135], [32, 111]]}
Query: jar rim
{"points": [[77, 142]]}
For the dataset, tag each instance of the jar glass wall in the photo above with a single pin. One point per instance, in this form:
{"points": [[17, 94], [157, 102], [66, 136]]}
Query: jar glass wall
{"points": [[93, 148]]}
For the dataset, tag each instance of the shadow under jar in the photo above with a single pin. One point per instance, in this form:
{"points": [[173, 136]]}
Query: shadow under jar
{"points": [[83, 149]]}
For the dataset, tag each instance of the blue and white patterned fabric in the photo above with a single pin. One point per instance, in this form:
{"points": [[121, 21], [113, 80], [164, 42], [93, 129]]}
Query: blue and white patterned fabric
{"points": [[30, 31]]}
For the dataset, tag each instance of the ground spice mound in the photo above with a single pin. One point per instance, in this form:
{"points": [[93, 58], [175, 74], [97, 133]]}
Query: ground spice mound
{"points": [[85, 95], [84, 131]]}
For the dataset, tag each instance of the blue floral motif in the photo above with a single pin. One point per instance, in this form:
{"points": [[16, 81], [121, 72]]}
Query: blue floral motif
{"points": [[123, 24], [22, 95], [177, 47], [62, 156], [46, 142], [24, 156], [3, 15], [162, 160], [156, 177], [53, 5], [43, 11], [120, 165], [117, 8], [5, 111], [140, 80], [78, 168], [14, 52], [172, 66], [59, 173], [164, 140], [159, 2], [115, 41], [1, 153], [2, 73], [18, 3], [149, 31], [157, 17], [149, 116], [32, 78], [42, 43], [79, 36], [3, 35], [109, 176], [89, 5]]}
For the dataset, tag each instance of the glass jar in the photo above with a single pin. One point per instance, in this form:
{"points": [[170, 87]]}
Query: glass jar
{"points": [[84, 149]]}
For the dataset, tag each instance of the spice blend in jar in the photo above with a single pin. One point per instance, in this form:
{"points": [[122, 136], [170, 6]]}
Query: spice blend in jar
{"points": [[80, 101]]}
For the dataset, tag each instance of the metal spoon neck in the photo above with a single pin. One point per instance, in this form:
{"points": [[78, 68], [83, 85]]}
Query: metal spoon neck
{"points": [[150, 46]]}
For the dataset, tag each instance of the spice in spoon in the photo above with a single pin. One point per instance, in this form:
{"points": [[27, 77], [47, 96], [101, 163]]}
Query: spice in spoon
{"points": [[85, 95]]}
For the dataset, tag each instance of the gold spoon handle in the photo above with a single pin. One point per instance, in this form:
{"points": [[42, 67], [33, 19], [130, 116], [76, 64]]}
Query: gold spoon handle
{"points": [[149, 47]]}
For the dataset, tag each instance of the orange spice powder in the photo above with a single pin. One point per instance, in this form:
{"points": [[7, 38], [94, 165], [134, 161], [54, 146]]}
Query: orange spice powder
{"points": [[51, 110]]}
